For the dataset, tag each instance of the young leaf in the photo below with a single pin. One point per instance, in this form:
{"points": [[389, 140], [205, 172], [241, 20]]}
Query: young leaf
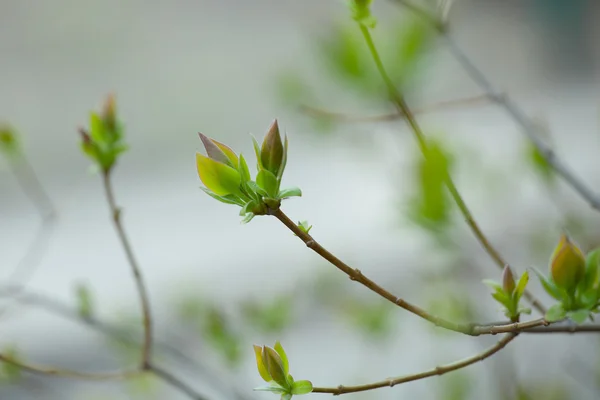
{"points": [[220, 178], [302, 387], [290, 192], [247, 218], [286, 365], [579, 316], [549, 286], [228, 199], [259, 165], [243, 169], [555, 313], [523, 280], [262, 369], [266, 180]]}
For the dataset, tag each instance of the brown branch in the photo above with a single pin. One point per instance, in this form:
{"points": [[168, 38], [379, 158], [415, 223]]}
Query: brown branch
{"points": [[137, 275], [528, 127], [36, 369], [421, 375], [55, 307], [341, 117], [403, 108]]}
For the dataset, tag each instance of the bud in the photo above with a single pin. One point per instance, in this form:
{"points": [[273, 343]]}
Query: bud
{"points": [[567, 264], [219, 178], [219, 152], [274, 366], [272, 152], [109, 113], [508, 280]]}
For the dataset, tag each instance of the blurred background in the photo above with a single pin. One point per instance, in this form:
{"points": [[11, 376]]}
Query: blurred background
{"points": [[229, 68]]}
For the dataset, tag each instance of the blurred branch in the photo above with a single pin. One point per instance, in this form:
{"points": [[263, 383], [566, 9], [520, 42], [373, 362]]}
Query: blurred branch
{"points": [[422, 375], [403, 108], [31, 186], [137, 275], [528, 127], [341, 117], [112, 331]]}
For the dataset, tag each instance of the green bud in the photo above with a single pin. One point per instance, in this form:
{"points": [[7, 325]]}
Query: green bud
{"points": [[218, 177], [508, 280], [274, 366], [109, 113], [219, 152], [272, 152], [567, 264]]}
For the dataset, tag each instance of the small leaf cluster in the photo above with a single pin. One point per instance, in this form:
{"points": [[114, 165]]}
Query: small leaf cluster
{"points": [[227, 177], [509, 292], [574, 281], [103, 142], [273, 367], [360, 10]]}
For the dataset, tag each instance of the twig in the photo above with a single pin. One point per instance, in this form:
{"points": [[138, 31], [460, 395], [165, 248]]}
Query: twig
{"points": [[31, 186], [69, 373], [318, 112], [528, 127], [421, 375], [402, 106], [57, 308], [137, 275]]}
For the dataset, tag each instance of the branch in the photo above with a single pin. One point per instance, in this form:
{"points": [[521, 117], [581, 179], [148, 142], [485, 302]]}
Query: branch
{"points": [[137, 275], [403, 108], [317, 112], [36, 369], [57, 308], [528, 127], [422, 375]]}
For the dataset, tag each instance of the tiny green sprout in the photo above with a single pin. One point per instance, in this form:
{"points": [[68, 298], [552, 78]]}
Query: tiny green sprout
{"points": [[103, 142], [304, 226], [360, 10], [574, 281], [509, 293], [9, 143], [273, 367], [227, 178]]}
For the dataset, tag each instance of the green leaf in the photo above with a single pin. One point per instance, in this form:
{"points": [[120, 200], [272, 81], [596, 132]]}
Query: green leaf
{"points": [[302, 387], [549, 286], [283, 160], [523, 280], [361, 12], [286, 396], [555, 313], [502, 298], [286, 365], [289, 192], [592, 268], [97, 131], [228, 199], [259, 165], [260, 365], [579, 316], [271, 152], [539, 163], [248, 218], [84, 301], [492, 284], [266, 180], [243, 169], [220, 178], [304, 226], [411, 42], [274, 388], [257, 189]]}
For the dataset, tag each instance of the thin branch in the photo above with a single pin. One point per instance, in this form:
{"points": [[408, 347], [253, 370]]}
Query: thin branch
{"points": [[356, 275], [137, 275], [111, 331], [31, 186], [528, 127], [571, 329], [421, 375], [341, 117], [402, 106], [36, 369]]}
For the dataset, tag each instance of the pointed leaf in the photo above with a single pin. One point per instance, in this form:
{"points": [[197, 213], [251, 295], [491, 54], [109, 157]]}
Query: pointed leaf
{"points": [[279, 349], [492, 284], [220, 178], [549, 286], [274, 366], [257, 189], [555, 313], [213, 151], [97, 131], [284, 160], [259, 165], [290, 192], [243, 169], [592, 268], [286, 396], [228, 199], [274, 388], [233, 158], [271, 152], [247, 218], [523, 280], [266, 180], [262, 369], [302, 387]]}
